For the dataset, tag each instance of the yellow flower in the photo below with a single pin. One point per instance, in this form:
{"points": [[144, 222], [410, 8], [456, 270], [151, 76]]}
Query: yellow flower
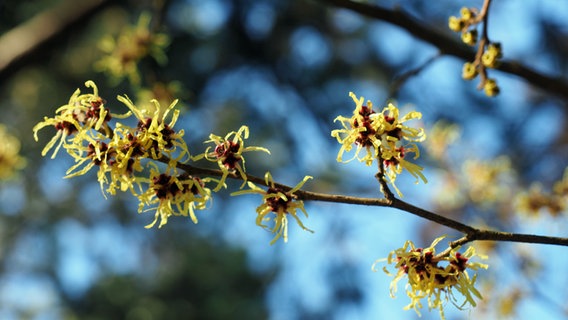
{"points": [[121, 156], [393, 126], [489, 182], [360, 130], [228, 153], [427, 278], [441, 136], [132, 45], [469, 37], [469, 71], [394, 161], [118, 161], [455, 24], [280, 203], [154, 135], [491, 55], [467, 13], [10, 158], [383, 132], [491, 88], [72, 121], [172, 194], [535, 200]]}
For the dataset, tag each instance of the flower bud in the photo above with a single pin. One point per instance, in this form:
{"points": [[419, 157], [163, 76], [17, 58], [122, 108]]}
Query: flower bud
{"points": [[491, 88], [455, 24], [489, 59], [466, 13], [469, 37], [469, 71]]}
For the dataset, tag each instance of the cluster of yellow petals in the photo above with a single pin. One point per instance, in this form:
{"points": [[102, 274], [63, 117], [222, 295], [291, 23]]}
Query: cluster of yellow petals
{"points": [[132, 45], [382, 136], [276, 205], [434, 278], [10, 159]]}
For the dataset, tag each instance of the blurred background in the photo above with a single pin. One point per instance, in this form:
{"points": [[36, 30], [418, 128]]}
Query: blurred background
{"points": [[284, 68]]}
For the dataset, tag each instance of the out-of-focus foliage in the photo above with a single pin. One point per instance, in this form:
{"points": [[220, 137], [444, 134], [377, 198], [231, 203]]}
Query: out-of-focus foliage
{"points": [[194, 279]]}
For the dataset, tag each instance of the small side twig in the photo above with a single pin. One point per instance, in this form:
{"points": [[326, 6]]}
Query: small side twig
{"points": [[403, 78], [483, 42], [380, 176]]}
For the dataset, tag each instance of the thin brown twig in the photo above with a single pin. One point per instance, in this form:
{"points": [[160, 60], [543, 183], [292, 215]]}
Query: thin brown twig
{"points": [[382, 180], [401, 79], [470, 233], [483, 42]]}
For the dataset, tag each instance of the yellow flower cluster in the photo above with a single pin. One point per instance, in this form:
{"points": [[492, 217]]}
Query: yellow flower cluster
{"points": [[489, 53], [383, 136], [277, 203], [488, 181], [435, 278], [83, 130], [121, 154], [177, 194], [10, 159], [465, 24], [441, 136], [228, 153], [83, 118], [131, 46], [536, 200]]}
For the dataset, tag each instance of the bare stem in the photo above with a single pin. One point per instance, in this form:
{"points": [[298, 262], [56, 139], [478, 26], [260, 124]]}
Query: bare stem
{"points": [[483, 42]]}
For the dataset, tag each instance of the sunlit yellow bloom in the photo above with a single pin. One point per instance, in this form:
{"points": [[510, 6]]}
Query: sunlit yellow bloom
{"points": [[154, 135], [82, 113], [469, 37], [394, 161], [117, 161], [463, 22], [94, 154], [469, 71], [383, 135], [359, 130], [174, 195], [10, 158], [455, 24], [132, 45], [228, 153], [491, 88], [467, 13], [491, 56], [436, 278], [394, 129], [277, 205]]}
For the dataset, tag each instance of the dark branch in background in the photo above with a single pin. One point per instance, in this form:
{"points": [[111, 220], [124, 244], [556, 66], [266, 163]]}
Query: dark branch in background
{"points": [[399, 81], [471, 233], [28, 38], [450, 46]]}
